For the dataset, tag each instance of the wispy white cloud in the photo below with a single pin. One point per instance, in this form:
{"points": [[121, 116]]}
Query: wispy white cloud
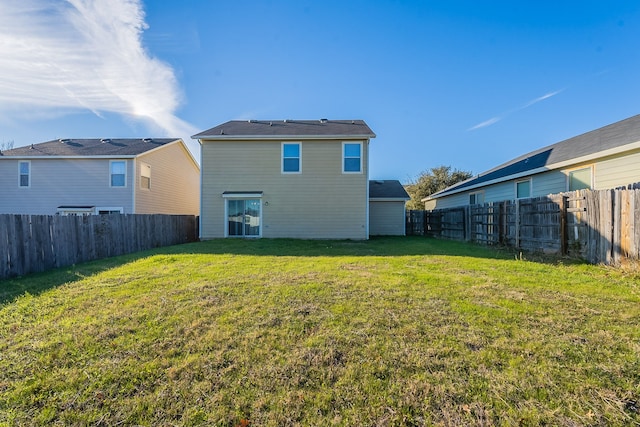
{"points": [[486, 123], [528, 104], [538, 99], [64, 55]]}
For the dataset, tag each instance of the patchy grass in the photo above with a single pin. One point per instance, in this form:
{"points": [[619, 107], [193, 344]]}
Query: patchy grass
{"points": [[390, 332]]}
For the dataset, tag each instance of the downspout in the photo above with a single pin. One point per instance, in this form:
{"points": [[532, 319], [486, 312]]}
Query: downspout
{"points": [[133, 185], [201, 190], [367, 187]]}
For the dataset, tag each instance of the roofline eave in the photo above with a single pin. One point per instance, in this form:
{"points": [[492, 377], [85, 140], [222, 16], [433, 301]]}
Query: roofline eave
{"points": [[558, 165], [276, 137]]}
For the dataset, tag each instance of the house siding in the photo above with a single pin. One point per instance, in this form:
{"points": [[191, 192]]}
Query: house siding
{"points": [[617, 172], [321, 202], [549, 183], [175, 182], [609, 173], [58, 182], [386, 218]]}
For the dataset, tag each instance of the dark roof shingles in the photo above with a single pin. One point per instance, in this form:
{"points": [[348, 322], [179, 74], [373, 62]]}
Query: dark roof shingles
{"points": [[387, 189], [294, 128], [615, 135], [90, 147]]}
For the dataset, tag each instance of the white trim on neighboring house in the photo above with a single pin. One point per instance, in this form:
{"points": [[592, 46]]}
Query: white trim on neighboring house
{"points": [[29, 174], [521, 181], [75, 210], [111, 162], [110, 209], [476, 194], [568, 172]]}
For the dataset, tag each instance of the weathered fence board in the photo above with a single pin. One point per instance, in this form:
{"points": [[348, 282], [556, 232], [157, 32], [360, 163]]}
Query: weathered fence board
{"points": [[35, 243], [600, 226]]}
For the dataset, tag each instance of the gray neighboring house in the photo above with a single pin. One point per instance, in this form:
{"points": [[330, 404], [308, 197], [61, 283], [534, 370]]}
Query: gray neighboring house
{"points": [[285, 178], [387, 199], [99, 176], [605, 158]]}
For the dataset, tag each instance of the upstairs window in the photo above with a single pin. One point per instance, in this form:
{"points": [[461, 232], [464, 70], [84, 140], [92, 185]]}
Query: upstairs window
{"points": [[118, 172], [291, 156], [24, 174], [523, 189], [351, 157], [145, 176]]}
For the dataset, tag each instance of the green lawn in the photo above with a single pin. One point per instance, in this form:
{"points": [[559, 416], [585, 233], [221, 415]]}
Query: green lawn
{"points": [[389, 332]]}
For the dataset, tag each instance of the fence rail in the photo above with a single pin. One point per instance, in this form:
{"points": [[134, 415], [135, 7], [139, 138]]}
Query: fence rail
{"points": [[599, 226], [36, 243]]}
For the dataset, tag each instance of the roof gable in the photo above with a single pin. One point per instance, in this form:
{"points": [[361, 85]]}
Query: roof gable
{"points": [[613, 136], [89, 147], [269, 129]]}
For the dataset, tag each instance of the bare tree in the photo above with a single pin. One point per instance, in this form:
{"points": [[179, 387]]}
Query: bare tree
{"points": [[6, 145]]}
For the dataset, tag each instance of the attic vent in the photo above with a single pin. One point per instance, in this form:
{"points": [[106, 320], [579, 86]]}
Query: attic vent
{"points": [[221, 131], [323, 120], [63, 141], [31, 148], [146, 140], [103, 140], [270, 123]]}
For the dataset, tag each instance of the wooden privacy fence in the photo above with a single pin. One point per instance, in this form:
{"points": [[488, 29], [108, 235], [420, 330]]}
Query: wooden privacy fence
{"points": [[35, 243], [599, 226]]}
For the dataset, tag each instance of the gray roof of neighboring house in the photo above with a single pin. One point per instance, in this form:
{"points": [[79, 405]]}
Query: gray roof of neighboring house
{"points": [[387, 189], [269, 129], [609, 137], [89, 147]]}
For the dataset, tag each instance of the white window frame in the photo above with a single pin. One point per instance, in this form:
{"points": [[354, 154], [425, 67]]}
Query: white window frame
{"points": [[344, 157], [568, 172], [476, 194], [110, 209], [20, 162], [145, 172], [242, 196], [111, 174], [76, 211], [282, 158], [520, 181]]}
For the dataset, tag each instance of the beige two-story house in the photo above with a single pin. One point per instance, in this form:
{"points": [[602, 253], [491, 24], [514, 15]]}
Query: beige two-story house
{"points": [[286, 178], [100, 176]]}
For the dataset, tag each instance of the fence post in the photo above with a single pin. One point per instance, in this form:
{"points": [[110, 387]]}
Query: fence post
{"points": [[517, 236], [466, 223], [564, 236]]}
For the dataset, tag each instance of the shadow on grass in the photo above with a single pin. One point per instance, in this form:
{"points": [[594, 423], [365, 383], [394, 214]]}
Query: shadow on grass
{"points": [[35, 284]]}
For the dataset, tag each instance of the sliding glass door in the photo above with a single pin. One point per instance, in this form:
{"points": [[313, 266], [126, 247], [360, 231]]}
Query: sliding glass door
{"points": [[243, 217]]}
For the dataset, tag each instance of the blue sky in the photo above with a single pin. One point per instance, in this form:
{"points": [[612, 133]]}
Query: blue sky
{"points": [[468, 84]]}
